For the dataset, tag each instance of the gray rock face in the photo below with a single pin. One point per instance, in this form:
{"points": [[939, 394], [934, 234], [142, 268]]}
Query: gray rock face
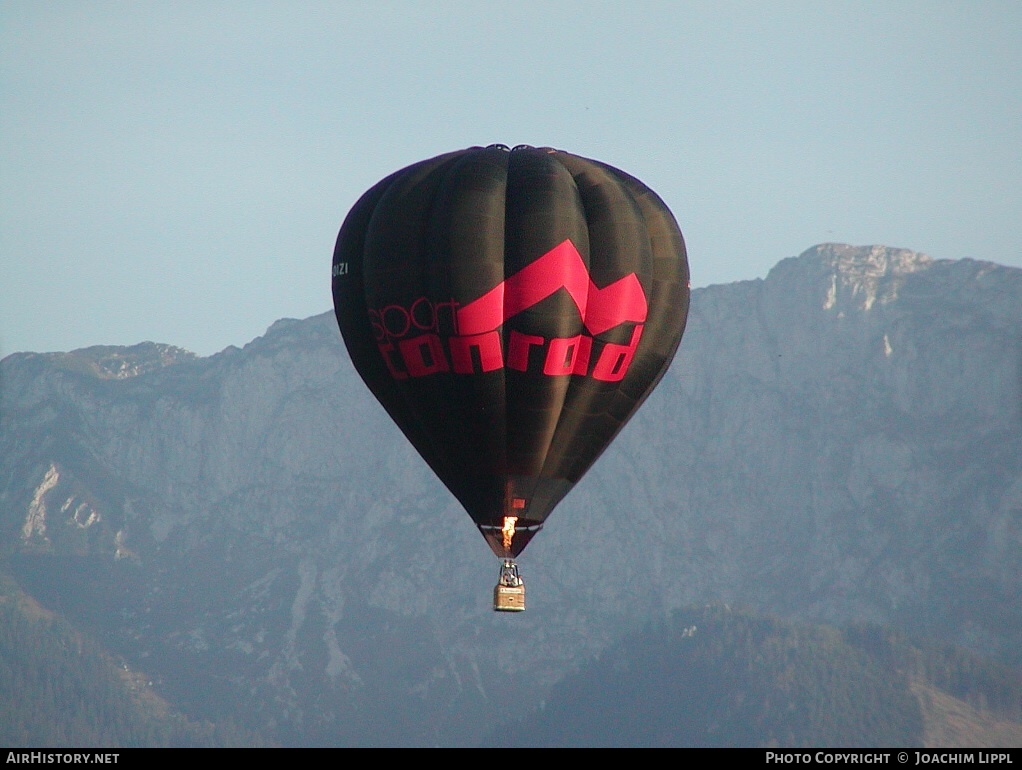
{"points": [[840, 441]]}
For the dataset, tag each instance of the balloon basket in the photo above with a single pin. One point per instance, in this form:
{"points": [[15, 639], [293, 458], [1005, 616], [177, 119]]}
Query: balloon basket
{"points": [[509, 593], [507, 599]]}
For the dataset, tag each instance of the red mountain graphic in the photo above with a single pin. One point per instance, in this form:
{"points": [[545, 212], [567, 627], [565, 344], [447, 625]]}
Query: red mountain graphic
{"points": [[561, 267]]}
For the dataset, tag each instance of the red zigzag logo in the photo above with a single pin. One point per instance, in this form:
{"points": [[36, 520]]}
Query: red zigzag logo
{"points": [[561, 267]]}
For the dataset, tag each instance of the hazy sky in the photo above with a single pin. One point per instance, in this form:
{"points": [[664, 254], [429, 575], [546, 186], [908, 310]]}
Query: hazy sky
{"points": [[177, 171]]}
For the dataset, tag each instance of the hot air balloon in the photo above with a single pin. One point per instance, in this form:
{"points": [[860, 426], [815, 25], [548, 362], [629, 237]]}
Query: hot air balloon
{"points": [[510, 309]]}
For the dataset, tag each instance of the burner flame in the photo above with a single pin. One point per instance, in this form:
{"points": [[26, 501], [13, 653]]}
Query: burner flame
{"points": [[509, 531]]}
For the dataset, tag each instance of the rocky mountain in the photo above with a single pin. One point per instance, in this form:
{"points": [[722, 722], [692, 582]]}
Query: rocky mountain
{"points": [[840, 442]]}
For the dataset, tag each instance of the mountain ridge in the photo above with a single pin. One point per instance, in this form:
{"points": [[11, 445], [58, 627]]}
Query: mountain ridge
{"points": [[836, 442]]}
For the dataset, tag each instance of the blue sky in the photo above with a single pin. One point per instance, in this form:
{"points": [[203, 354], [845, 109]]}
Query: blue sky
{"points": [[177, 171]]}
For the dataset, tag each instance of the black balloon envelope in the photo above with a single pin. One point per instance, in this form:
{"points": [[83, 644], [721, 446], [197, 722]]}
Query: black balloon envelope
{"points": [[510, 309]]}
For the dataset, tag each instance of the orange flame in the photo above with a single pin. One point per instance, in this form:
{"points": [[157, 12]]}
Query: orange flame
{"points": [[509, 531]]}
